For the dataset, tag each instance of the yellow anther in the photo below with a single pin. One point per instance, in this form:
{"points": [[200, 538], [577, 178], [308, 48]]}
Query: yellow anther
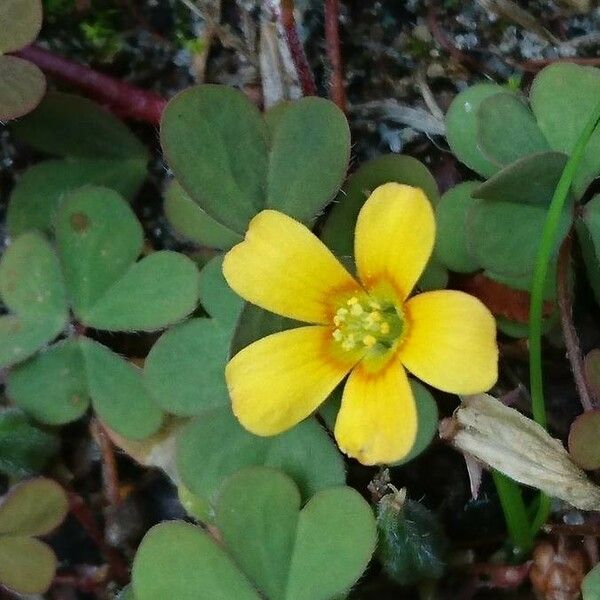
{"points": [[337, 320], [352, 301], [356, 310], [384, 328], [349, 343], [337, 335], [376, 316], [369, 341], [374, 305]]}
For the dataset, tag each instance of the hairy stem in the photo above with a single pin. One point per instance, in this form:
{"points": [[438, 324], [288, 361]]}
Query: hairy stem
{"points": [[334, 53], [124, 99]]}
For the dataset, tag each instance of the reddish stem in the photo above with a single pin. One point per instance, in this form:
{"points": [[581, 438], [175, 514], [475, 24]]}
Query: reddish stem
{"points": [[334, 53], [126, 100], [110, 474], [80, 510], [565, 306], [307, 81]]}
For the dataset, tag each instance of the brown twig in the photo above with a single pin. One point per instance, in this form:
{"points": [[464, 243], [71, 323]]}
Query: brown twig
{"points": [[565, 306], [288, 21], [110, 475], [124, 99], [334, 53], [80, 510]]}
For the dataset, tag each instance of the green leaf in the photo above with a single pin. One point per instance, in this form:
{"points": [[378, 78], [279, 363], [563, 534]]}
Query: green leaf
{"points": [[427, 418], [451, 244], [185, 369], [20, 23], [562, 96], [338, 232], [179, 560], [591, 584], [24, 448], [27, 565], [260, 535], [306, 453], [583, 440], [118, 393], [52, 386], [217, 298], [215, 140], [256, 323], [159, 290], [462, 125], [309, 154], [192, 223], [504, 236], [529, 180], [32, 289], [73, 126], [434, 277], [99, 239], [317, 554], [22, 87], [35, 507], [39, 191], [507, 129]]}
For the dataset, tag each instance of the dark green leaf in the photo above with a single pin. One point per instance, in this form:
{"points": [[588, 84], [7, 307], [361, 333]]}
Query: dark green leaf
{"points": [[507, 129], [309, 155], [529, 180], [215, 140], [72, 126], [39, 191], [562, 97], [24, 448], [306, 453], [32, 289], [338, 232], [462, 125], [192, 223], [185, 370], [451, 246], [52, 386]]}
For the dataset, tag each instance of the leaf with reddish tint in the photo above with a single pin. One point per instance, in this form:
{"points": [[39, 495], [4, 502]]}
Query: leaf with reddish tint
{"points": [[591, 365], [583, 440], [22, 87]]}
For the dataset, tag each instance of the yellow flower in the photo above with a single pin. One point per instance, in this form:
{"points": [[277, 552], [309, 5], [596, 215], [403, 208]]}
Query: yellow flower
{"points": [[369, 328]]}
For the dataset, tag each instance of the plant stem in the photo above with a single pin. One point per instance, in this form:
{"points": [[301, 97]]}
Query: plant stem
{"points": [[124, 99], [540, 272], [334, 54], [565, 306], [307, 81], [515, 512]]}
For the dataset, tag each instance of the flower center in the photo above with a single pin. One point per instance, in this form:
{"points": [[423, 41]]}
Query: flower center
{"points": [[360, 323]]}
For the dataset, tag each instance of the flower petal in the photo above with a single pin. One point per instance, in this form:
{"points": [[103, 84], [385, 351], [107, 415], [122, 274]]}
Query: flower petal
{"points": [[451, 342], [283, 267], [280, 380], [377, 422], [394, 237]]}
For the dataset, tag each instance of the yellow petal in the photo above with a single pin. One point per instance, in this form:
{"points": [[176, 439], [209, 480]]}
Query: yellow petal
{"points": [[394, 238], [283, 267], [377, 422], [280, 380], [451, 342]]}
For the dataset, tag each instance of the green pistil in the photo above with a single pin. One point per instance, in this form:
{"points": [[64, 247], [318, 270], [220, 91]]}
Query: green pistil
{"points": [[366, 324]]}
